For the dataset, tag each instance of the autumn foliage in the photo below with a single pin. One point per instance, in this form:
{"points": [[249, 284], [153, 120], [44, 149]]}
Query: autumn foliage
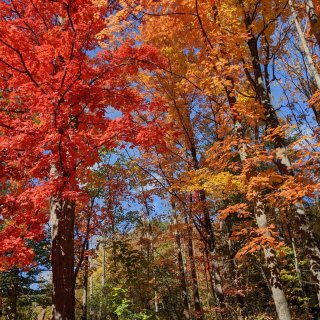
{"points": [[183, 136]]}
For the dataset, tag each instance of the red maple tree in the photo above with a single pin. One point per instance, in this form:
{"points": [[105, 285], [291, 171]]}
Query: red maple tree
{"points": [[57, 86]]}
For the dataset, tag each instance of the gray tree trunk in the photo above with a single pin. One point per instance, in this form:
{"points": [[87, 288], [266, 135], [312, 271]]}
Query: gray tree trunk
{"points": [[278, 295]]}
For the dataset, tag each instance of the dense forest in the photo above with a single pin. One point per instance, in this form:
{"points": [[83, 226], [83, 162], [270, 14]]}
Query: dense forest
{"points": [[159, 159]]}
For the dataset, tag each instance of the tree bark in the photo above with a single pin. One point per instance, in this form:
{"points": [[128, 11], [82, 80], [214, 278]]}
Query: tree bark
{"points": [[103, 277], [182, 275], [12, 308], [211, 247], [91, 266], [62, 214], [194, 280], [278, 295], [310, 244], [85, 284]]}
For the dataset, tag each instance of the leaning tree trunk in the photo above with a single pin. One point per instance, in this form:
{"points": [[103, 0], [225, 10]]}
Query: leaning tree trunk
{"points": [[62, 214]]}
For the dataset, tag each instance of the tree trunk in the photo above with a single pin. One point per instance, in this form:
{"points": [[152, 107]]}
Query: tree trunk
{"points": [[91, 266], [195, 286], [208, 277], [209, 238], [310, 244], [278, 295], [296, 262], [103, 277], [62, 214], [182, 275], [207, 230], [300, 215], [85, 284], [279, 298], [231, 271], [183, 281], [12, 308]]}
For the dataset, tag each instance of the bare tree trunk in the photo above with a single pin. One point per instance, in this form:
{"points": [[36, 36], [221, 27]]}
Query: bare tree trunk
{"points": [[195, 286], [62, 220], [182, 275], [156, 298], [91, 285], [211, 247], [272, 266], [62, 214], [103, 276], [217, 281], [151, 275], [209, 283], [12, 308], [236, 306], [85, 284]]}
